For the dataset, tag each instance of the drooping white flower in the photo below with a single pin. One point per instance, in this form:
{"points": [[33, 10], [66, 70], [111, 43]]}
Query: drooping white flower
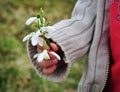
{"points": [[35, 39], [44, 55], [41, 56], [48, 28], [28, 36], [33, 19]]}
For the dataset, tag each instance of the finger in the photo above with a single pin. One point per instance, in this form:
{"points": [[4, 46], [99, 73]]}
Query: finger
{"points": [[39, 48], [51, 55], [54, 46], [49, 70], [47, 47], [47, 63]]}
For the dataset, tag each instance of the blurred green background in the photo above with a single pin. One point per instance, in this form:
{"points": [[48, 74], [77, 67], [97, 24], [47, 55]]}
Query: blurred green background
{"points": [[16, 72]]}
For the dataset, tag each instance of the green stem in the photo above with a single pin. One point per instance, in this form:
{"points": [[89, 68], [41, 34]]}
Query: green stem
{"points": [[39, 24], [44, 44], [44, 47], [47, 41]]}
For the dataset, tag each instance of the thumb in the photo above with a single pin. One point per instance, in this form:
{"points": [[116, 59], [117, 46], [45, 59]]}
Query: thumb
{"points": [[54, 46]]}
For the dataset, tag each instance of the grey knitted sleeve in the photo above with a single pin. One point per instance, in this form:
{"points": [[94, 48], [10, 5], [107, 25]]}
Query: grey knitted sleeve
{"points": [[73, 36]]}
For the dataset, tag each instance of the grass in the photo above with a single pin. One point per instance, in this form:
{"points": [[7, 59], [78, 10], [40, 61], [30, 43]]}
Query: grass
{"points": [[16, 72]]}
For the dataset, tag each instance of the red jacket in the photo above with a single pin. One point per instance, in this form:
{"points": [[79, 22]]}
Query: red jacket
{"points": [[113, 84]]}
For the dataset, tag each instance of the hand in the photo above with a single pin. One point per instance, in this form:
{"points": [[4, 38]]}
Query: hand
{"points": [[49, 66]]}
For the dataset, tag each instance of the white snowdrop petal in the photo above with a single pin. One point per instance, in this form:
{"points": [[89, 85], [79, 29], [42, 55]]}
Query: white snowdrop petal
{"points": [[55, 54], [30, 20], [36, 55], [40, 41], [50, 28], [38, 33], [28, 37], [43, 29], [46, 55], [34, 40], [45, 52], [41, 56]]}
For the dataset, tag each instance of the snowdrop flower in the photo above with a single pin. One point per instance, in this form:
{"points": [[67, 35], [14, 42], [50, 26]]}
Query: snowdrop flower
{"points": [[33, 19], [35, 39], [44, 55], [38, 37], [48, 28], [30, 20], [41, 56]]}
